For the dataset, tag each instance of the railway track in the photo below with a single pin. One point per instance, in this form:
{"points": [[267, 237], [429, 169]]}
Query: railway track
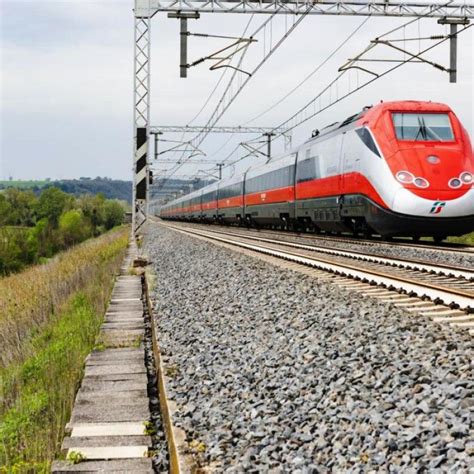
{"points": [[444, 246], [457, 271], [445, 293]]}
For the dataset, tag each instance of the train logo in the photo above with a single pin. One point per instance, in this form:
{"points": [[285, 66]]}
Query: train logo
{"points": [[437, 207]]}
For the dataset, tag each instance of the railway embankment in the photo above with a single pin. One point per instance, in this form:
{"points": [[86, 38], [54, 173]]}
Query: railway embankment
{"points": [[271, 368], [49, 319]]}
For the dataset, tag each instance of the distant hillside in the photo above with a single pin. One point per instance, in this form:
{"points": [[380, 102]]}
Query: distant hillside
{"points": [[110, 188], [162, 190]]}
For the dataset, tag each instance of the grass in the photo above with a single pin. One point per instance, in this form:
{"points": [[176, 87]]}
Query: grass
{"points": [[28, 299], [41, 390], [467, 239], [27, 184], [41, 372]]}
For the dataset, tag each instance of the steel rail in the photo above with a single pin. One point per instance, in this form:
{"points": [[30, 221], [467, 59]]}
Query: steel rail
{"points": [[415, 264], [444, 247], [449, 296]]}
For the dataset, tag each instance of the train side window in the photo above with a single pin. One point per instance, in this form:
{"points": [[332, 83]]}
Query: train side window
{"points": [[307, 169], [367, 140]]}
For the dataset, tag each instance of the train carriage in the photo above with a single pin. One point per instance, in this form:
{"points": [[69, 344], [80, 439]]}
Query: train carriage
{"points": [[209, 203], [270, 192], [230, 200], [396, 169]]}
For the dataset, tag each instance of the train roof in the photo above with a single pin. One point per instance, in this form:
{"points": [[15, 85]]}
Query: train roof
{"points": [[277, 163], [230, 181]]}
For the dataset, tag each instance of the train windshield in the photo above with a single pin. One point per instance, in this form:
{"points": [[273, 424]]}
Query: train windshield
{"points": [[423, 127]]}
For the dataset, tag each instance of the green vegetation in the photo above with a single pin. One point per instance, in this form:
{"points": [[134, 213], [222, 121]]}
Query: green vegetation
{"points": [[110, 188], [76, 457], [35, 228], [23, 184], [49, 319], [467, 239]]}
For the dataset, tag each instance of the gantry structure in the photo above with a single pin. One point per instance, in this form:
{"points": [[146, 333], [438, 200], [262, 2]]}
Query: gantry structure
{"points": [[452, 12]]}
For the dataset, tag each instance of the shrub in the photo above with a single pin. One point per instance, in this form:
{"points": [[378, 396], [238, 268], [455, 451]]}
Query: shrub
{"points": [[17, 248]]}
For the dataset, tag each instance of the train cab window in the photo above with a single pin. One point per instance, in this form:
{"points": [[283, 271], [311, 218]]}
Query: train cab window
{"points": [[423, 127], [367, 140]]}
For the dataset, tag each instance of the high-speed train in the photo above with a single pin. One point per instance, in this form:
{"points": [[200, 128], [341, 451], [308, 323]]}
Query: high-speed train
{"points": [[395, 169]]}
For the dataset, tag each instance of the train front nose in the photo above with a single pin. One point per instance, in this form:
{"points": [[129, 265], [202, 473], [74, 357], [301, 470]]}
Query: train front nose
{"points": [[429, 203]]}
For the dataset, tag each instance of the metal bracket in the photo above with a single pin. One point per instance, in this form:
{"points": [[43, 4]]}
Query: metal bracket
{"points": [[183, 18], [188, 146], [221, 60], [253, 151], [413, 57], [453, 43]]}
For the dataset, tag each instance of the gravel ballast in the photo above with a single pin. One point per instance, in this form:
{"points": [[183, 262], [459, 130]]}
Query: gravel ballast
{"points": [[274, 369]]}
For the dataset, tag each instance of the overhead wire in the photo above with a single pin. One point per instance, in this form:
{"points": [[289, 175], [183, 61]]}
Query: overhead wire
{"points": [[286, 124], [173, 171], [300, 84], [216, 114], [338, 99], [312, 73]]}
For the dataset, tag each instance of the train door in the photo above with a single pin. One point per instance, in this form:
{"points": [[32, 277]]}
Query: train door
{"points": [[244, 198], [350, 163], [344, 163], [218, 192]]}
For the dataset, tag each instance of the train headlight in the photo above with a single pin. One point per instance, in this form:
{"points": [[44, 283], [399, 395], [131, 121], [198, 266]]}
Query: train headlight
{"points": [[466, 177], [421, 183], [455, 183], [405, 177]]}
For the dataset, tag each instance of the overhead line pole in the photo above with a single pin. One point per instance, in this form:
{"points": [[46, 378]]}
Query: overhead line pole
{"points": [[141, 117]]}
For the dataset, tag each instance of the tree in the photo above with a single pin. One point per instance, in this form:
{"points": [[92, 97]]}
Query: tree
{"points": [[93, 209], [73, 227], [22, 207], [52, 203], [5, 210], [114, 212]]}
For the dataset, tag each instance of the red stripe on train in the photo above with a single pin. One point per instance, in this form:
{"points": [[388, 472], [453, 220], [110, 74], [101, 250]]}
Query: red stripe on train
{"points": [[349, 183]]}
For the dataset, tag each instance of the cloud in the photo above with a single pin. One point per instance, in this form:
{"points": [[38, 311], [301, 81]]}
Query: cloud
{"points": [[67, 81]]}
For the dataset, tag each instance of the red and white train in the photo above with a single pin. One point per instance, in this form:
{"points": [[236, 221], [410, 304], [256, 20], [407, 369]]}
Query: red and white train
{"points": [[394, 169]]}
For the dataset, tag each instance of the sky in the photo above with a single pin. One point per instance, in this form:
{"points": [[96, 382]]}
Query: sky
{"points": [[66, 83]]}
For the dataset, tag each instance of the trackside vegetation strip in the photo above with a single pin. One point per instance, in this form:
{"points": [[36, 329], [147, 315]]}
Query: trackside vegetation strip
{"points": [[59, 308]]}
